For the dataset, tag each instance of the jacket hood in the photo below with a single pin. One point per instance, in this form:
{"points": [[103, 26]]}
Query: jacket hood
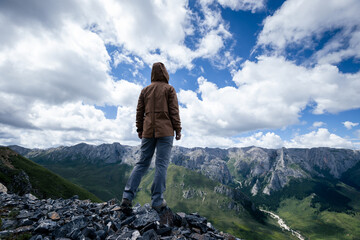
{"points": [[159, 73]]}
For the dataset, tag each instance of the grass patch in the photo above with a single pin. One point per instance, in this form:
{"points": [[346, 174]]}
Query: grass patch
{"points": [[13, 213], [303, 216]]}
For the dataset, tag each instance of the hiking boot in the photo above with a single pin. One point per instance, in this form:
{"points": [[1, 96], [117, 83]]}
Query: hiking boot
{"points": [[125, 206], [160, 207]]}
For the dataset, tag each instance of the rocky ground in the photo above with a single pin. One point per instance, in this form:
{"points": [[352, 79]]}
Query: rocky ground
{"points": [[26, 217]]}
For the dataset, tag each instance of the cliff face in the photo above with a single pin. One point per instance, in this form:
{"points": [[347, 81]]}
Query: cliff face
{"points": [[261, 170], [16, 180], [268, 170], [210, 162]]}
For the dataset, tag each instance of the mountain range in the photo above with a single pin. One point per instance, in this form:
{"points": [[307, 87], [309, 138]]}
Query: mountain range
{"points": [[262, 170]]}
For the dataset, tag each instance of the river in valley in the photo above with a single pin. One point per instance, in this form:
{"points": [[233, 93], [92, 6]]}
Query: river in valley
{"points": [[283, 225]]}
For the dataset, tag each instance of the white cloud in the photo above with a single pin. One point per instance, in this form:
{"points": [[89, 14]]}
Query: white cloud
{"points": [[121, 58], [228, 111], [13, 110], [318, 124], [349, 125], [122, 93], [252, 5], [65, 66], [71, 123], [339, 49], [298, 22], [267, 140], [210, 44], [51, 76], [267, 97], [216, 42], [149, 29], [56, 67], [163, 27], [190, 140], [283, 82], [320, 138]]}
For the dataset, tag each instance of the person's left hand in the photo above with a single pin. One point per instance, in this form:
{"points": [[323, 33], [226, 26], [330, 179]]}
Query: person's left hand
{"points": [[178, 136], [140, 135]]}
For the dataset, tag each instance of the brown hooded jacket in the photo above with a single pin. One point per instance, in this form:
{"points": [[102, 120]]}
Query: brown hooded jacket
{"points": [[157, 113]]}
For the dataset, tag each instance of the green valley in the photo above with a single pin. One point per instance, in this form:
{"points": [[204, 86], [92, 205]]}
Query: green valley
{"points": [[317, 208], [315, 224]]}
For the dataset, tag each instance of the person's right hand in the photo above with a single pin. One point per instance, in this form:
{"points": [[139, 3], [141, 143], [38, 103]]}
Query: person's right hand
{"points": [[140, 135], [178, 136]]}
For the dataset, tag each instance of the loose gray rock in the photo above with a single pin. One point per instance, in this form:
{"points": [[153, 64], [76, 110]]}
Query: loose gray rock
{"points": [[46, 226], [81, 219], [143, 219]]}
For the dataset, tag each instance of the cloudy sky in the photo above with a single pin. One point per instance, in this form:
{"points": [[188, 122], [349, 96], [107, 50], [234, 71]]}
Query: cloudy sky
{"points": [[269, 73]]}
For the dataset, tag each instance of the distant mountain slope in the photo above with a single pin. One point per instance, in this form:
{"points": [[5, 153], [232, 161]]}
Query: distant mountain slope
{"points": [[352, 176], [267, 170], [82, 153], [20, 176], [261, 170], [257, 171]]}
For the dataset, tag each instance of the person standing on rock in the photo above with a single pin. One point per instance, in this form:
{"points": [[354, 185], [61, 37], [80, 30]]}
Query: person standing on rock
{"points": [[157, 118]]}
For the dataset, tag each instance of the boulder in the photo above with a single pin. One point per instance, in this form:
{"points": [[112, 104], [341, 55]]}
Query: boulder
{"points": [[3, 189]]}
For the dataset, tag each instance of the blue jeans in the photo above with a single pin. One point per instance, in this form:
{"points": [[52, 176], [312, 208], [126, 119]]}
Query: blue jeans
{"points": [[163, 147]]}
